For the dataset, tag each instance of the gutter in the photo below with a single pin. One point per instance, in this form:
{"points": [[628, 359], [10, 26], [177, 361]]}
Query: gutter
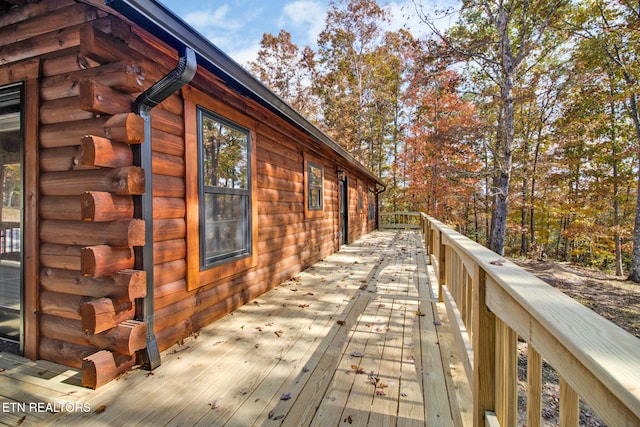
{"points": [[146, 101], [168, 27]]}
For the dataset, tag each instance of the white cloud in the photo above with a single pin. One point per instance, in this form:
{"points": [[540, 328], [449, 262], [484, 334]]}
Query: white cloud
{"points": [[202, 20], [304, 14]]}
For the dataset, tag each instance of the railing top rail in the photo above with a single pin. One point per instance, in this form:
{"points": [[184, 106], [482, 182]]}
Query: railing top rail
{"points": [[413, 213], [606, 350]]}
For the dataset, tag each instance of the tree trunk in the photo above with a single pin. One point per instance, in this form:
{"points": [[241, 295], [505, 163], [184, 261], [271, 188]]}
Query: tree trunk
{"points": [[616, 193], [634, 270], [506, 133], [524, 236], [499, 213]]}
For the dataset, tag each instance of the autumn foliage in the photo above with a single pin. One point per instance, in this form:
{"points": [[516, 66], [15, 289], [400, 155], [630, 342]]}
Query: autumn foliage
{"points": [[533, 114]]}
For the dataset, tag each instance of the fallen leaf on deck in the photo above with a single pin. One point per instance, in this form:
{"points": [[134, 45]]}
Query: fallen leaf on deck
{"points": [[303, 305], [498, 262], [178, 350], [373, 378], [340, 322], [279, 333], [285, 396], [101, 409], [357, 369], [309, 293], [418, 313], [357, 354], [348, 420]]}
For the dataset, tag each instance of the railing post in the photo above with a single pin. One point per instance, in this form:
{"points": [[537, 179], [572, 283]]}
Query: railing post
{"points": [[442, 265], [484, 357]]}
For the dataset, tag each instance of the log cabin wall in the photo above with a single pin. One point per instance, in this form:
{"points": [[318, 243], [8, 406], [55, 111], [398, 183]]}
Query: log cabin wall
{"points": [[92, 65]]}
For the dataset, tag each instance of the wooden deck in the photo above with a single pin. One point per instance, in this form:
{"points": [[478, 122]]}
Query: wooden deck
{"points": [[357, 339]]}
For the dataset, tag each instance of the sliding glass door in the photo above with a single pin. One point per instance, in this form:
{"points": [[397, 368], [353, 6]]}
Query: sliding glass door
{"points": [[11, 178]]}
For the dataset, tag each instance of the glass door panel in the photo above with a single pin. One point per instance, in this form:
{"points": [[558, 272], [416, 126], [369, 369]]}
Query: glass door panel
{"points": [[11, 153]]}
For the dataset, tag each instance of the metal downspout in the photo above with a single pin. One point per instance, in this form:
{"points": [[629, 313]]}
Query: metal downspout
{"points": [[146, 101]]}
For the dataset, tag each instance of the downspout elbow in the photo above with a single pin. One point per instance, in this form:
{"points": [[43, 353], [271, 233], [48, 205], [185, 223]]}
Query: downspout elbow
{"points": [[163, 88]]}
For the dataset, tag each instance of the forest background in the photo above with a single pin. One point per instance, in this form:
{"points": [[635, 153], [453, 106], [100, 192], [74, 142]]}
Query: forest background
{"points": [[518, 125]]}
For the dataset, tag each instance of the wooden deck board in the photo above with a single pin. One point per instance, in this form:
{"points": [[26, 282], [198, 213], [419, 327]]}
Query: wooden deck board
{"points": [[361, 307]]}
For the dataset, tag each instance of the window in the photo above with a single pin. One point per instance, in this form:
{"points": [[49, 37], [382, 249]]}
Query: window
{"points": [[313, 187], [314, 182], [220, 190], [224, 189]]}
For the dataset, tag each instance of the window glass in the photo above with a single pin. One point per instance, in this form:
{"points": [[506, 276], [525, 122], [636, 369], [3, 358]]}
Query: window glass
{"points": [[225, 190], [314, 173]]}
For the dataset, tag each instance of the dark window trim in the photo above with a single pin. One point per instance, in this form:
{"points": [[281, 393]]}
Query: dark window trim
{"points": [[224, 271], [214, 261], [310, 187], [313, 212]]}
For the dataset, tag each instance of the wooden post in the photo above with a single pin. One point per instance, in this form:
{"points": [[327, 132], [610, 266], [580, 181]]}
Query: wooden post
{"points": [[484, 357], [442, 265]]}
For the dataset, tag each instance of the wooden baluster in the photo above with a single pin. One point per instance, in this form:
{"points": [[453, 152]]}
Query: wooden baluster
{"points": [[569, 405], [534, 388]]}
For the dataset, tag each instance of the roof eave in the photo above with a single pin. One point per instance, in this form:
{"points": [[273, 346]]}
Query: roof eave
{"points": [[171, 29]]}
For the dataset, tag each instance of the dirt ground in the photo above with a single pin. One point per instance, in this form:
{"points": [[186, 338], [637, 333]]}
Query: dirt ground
{"points": [[612, 297]]}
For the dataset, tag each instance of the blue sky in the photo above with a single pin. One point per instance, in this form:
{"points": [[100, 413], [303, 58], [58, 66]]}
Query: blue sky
{"points": [[236, 26]]}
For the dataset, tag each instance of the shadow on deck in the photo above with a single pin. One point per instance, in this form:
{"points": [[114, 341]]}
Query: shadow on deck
{"points": [[357, 339]]}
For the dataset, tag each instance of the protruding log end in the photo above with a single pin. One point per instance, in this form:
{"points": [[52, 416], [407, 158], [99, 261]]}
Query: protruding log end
{"points": [[104, 366]]}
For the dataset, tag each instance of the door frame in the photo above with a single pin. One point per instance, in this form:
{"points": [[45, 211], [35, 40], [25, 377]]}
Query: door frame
{"points": [[27, 73], [344, 210]]}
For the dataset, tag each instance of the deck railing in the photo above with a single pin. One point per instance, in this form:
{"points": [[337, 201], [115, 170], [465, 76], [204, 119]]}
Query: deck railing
{"points": [[498, 305], [401, 220]]}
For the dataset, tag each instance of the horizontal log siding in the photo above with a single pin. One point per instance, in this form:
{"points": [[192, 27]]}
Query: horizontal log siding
{"points": [[96, 46], [54, 32]]}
